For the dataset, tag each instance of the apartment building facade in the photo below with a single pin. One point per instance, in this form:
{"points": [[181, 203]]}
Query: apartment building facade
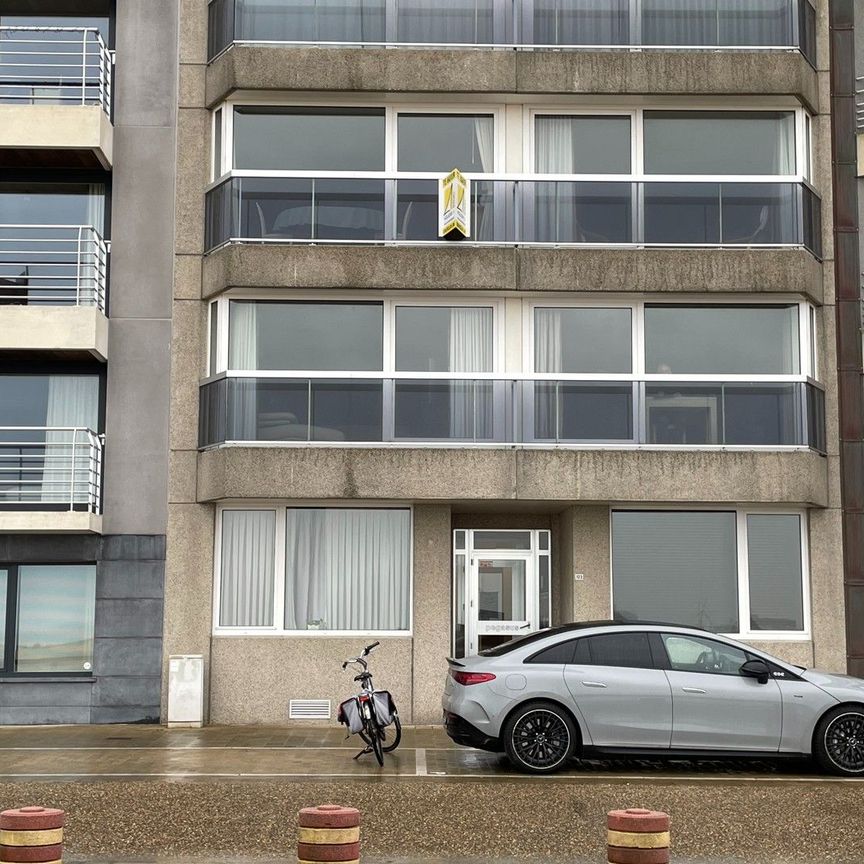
{"points": [[294, 420], [618, 396], [86, 260]]}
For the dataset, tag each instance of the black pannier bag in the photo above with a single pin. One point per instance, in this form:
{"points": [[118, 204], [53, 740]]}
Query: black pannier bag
{"points": [[385, 708], [349, 714]]}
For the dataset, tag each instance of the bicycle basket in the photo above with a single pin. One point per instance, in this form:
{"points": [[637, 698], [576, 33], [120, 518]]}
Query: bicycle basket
{"points": [[349, 714], [385, 707]]}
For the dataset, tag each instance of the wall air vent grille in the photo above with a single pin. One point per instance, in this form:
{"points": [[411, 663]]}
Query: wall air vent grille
{"points": [[309, 709]]}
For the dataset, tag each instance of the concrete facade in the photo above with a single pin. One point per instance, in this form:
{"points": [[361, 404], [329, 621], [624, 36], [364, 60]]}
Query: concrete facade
{"points": [[54, 328], [569, 491]]}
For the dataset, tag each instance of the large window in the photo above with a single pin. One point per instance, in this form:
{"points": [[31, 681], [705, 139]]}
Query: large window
{"points": [[728, 572], [438, 142], [314, 569], [52, 401], [51, 626]]}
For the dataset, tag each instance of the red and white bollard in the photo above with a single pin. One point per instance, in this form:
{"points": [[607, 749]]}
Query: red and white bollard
{"points": [[637, 837], [328, 833], [31, 835]]}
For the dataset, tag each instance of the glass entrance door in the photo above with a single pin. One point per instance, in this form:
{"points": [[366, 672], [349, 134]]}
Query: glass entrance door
{"points": [[501, 582]]}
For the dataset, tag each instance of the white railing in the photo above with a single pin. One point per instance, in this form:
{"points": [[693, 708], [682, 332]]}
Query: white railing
{"points": [[55, 66], [53, 265], [58, 467]]}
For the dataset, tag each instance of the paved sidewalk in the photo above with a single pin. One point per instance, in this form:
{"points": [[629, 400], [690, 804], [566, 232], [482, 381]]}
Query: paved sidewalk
{"points": [[219, 795]]}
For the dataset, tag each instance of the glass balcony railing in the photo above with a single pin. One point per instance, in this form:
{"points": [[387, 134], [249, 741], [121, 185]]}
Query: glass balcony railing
{"points": [[50, 468], [52, 265], [619, 213], [55, 66], [508, 411], [752, 24]]}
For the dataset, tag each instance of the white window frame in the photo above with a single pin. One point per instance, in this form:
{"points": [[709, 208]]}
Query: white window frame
{"points": [[389, 305], [391, 148], [806, 338], [277, 628], [637, 173], [741, 512]]}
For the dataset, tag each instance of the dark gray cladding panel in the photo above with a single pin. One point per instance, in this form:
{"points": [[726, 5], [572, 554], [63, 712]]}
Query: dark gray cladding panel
{"points": [[128, 618], [127, 656], [45, 549], [133, 547]]}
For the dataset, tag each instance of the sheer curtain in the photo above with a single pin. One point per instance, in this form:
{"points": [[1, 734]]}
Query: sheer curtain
{"points": [[470, 351], [784, 160], [248, 568], [553, 154], [548, 358], [347, 569], [756, 22], [73, 400], [581, 22], [243, 355], [482, 217]]}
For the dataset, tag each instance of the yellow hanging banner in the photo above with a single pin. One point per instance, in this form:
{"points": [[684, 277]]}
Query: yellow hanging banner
{"points": [[454, 210]]}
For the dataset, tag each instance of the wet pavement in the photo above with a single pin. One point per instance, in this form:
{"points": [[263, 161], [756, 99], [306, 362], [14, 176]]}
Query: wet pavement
{"points": [[149, 795]]}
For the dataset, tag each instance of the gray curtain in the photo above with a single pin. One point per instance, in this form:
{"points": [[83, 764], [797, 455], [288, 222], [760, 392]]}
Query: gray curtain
{"points": [[581, 22], [248, 568], [347, 569], [548, 358], [311, 20], [445, 21]]}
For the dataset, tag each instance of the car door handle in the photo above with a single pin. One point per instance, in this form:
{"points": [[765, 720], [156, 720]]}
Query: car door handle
{"points": [[593, 684], [693, 690]]}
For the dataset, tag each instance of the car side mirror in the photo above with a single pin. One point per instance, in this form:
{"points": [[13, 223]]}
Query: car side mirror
{"points": [[757, 669]]}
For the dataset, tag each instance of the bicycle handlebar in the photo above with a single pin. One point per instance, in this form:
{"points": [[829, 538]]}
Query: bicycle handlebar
{"points": [[366, 652]]}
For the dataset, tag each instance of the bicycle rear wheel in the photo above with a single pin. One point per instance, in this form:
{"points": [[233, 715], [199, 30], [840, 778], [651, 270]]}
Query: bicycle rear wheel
{"points": [[375, 734], [392, 735]]}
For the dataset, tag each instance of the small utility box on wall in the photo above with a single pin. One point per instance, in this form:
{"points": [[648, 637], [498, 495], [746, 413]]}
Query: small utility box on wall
{"points": [[185, 690]]}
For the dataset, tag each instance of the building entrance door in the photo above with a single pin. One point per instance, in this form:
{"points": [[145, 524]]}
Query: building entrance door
{"points": [[500, 587]]}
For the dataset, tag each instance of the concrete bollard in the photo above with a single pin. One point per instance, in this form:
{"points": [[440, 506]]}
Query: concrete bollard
{"points": [[328, 833], [33, 835], [637, 837]]}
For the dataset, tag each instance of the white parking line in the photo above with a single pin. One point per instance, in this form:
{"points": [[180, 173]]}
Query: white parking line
{"points": [[420, 761]]}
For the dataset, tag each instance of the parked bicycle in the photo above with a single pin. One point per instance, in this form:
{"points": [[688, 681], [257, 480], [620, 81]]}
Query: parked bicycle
{"points": [[372, 713]]}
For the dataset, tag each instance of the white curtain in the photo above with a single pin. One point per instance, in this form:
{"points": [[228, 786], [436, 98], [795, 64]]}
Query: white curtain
{"points": [[548, 358], [553, 154], [347, 569], [242, 355], [248, 568], [484, 136], [784, 160], [73, 400], [470, 351], [483, 215]]}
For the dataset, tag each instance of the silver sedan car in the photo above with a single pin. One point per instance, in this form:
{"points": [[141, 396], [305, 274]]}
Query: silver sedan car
{"points": [[605, 688]]}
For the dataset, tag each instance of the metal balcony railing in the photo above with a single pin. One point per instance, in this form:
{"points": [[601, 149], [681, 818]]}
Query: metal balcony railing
{"points": [[51, 468], [53, 265], [773, 412], [55, 66], [525, 210], [521, 24]]}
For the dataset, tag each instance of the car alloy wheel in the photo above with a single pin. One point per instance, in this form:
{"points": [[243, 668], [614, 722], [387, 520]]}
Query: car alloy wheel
{"points": [[540, 739], [844, 742]]}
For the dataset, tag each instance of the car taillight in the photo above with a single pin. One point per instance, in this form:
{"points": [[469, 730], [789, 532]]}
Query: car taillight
{"points": [[468, 678]]}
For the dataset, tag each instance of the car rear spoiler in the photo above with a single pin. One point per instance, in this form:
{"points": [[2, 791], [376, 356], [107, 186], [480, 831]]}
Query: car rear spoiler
{"points": [[453, 662]]}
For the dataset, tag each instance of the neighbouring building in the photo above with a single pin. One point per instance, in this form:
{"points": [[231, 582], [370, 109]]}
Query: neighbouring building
{"points": [[633, 391], [87, 152]]}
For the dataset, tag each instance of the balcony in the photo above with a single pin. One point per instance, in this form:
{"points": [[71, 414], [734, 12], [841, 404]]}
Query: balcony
{"points": [[772, 413], [521, 24], [403, 209], [45, 270], [56, 93], [50, 478]]}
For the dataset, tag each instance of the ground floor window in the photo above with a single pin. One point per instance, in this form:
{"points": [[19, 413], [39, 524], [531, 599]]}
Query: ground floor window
{"points": [[46, 618], [294, 569], [733, 572]]}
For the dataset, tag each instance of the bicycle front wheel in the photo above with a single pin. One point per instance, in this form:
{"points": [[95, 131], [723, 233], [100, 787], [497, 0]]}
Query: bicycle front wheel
{"points": [[392, 735]]}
